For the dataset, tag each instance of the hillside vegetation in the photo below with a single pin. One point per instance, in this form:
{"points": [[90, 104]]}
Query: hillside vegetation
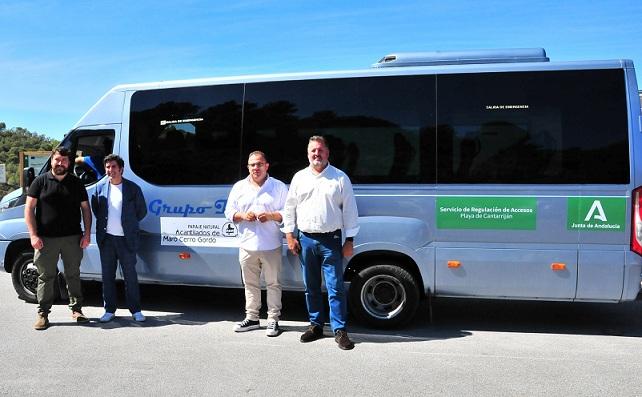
{"points": [[12, 142]]}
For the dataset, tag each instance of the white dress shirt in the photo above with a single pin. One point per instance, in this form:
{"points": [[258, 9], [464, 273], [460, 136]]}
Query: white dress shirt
{"points": [[244, 197], [321, 203]]}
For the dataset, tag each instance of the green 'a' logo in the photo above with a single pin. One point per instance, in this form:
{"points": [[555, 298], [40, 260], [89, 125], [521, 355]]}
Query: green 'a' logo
{"points": [[598, 214]]}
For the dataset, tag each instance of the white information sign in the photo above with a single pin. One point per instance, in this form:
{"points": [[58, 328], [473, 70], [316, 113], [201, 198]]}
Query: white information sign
{"points": [[3, 173], [199, 232], [37, 162]]}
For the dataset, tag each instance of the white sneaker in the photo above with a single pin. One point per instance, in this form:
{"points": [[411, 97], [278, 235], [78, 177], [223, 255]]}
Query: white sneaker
{"points": [[138, 316], [107, 317], [272, 328]]}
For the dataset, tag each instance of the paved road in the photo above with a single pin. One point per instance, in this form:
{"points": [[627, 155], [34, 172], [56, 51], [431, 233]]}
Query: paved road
{"points": [[487, 348]]}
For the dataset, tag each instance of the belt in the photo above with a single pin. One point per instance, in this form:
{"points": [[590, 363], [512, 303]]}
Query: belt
{"points": [[332, 233]]}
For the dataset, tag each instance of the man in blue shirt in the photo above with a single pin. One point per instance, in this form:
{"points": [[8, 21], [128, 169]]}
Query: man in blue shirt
{"points": [[94, 163]]}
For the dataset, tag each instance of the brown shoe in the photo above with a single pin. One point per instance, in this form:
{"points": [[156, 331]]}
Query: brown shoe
{"points": [[79, 317], [42, 322], [341, 337], [313, 333]]}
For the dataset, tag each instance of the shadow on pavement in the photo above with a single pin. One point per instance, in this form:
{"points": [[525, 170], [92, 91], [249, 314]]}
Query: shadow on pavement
{"points": [[624, 319], [451, 318]]}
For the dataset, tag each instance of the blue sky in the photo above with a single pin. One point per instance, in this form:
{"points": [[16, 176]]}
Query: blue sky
{"points": [[57, 58]]}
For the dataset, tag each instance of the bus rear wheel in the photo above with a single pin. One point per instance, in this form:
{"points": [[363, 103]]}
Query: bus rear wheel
{"points": [[384, 296]]}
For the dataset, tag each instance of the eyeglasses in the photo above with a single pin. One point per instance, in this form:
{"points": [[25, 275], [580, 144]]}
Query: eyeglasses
{"points": [[256, 165]]}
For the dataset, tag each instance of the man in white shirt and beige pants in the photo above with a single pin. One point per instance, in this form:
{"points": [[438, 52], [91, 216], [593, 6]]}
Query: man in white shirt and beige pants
{"points": [[322, 206], [255, 204]]}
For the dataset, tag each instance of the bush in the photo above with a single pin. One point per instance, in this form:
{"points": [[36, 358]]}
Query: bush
{"points": [[12, 142]]}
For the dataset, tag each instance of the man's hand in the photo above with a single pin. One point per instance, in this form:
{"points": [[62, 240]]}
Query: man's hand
{"points": [[348, 249], [85, 240], [249, 216], [36, 242], [293, 244], [264, 217]]}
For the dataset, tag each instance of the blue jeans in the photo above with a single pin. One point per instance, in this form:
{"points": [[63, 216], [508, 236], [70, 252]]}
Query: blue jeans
{"points": [[322, 252], [114, 249]]}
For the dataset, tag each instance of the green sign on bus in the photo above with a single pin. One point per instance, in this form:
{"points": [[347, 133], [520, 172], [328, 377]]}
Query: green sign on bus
{"points": [[597, 214], [518, 213]]}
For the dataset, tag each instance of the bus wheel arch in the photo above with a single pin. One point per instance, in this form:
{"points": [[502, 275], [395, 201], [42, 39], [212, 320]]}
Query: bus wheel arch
{"points": [[15, 249], [18, 261], [385, 289]]}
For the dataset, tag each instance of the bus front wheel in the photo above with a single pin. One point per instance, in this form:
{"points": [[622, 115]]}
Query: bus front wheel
{"points": [[384, 296], [24, 276]]}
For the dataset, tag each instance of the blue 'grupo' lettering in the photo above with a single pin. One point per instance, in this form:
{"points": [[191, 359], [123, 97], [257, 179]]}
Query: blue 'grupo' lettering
{"points": [[158, 207], [220, 206]]}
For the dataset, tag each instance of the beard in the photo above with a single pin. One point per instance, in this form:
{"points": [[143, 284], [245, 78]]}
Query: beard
{"points": [[59, 170], [318, 163]]}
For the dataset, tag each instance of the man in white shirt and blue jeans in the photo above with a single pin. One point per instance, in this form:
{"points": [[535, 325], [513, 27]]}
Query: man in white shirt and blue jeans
{"points": [[255, 204], [322, 206]]}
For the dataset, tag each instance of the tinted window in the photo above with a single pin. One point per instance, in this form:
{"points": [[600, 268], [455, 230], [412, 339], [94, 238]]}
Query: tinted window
{"points": [[186, 136], [91, 149], [535, 127], [380, 130]]}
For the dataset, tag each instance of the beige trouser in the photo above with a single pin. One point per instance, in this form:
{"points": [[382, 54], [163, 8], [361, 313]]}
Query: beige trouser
{"points": [[251, 264]]}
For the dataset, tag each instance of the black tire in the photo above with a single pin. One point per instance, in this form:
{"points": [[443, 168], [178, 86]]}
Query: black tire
{"points": [[384, 296], [25, 277]]}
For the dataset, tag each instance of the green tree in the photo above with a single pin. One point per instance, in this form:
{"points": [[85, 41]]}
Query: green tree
{"points": [[12, 142]]}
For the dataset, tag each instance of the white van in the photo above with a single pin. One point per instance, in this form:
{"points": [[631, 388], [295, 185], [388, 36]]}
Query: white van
{"points": [[487, 174]]}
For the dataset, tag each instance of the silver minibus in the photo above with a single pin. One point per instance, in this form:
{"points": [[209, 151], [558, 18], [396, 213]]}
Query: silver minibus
{"points": [[478, 174]]}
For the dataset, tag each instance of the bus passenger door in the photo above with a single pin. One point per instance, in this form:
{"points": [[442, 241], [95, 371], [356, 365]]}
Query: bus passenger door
{"points": [[182, 239]]}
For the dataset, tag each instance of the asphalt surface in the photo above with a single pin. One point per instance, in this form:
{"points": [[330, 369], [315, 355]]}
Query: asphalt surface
{"points": [[187, 347]]}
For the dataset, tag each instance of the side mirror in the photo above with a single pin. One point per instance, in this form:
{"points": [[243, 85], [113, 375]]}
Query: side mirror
{"points": [[28, 175]]}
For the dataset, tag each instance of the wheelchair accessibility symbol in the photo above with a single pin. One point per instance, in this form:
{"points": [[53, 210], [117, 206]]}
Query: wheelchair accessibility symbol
{"points": [[230, 230]]}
